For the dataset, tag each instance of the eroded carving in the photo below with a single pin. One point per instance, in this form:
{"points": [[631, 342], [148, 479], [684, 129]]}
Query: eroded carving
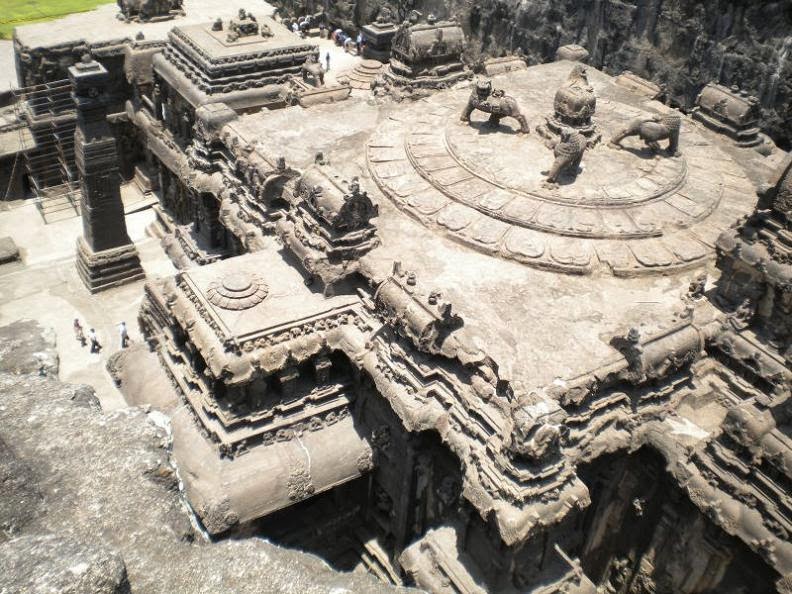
{"points": [[496, 103], [652, 130]]}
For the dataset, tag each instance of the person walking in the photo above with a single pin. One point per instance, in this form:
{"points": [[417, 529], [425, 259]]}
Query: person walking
{"points": [[79, 334], [327, 59], [123, 335], [95, 346]]}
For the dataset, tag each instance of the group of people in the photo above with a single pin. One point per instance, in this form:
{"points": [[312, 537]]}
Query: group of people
{"points": [[93, 339], [304, 23], [340, 38]]}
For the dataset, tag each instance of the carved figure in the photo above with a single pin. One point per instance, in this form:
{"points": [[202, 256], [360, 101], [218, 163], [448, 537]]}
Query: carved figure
{"points": [[313, 69], [568, 153], [652, 130], [536, 430], [496, 103]]}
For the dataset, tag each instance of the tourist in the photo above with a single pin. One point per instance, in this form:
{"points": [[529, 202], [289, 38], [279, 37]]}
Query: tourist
{"points": [[359, 42], [123, 335], [78, 332], [327, 59], [95, 346], [295, 27]]}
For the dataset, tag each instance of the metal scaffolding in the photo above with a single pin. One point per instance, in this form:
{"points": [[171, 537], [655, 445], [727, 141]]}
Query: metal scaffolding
{"points": [[48, 111]]}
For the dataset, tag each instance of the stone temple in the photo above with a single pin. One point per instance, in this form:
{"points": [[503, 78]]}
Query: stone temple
{"points": [[452, 352]]}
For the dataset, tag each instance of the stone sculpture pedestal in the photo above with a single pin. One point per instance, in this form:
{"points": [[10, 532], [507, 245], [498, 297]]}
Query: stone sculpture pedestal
{"points": [[107, 268]]}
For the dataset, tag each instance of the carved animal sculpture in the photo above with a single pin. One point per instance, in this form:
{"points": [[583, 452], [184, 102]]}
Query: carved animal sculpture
{"points": [[652, 130], [568, 153], [312, 68], [496, 103]]}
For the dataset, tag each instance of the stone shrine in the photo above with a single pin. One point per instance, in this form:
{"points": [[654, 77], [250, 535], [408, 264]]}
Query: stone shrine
{"points": [[731, 112], [574, 105], [426, 53]]}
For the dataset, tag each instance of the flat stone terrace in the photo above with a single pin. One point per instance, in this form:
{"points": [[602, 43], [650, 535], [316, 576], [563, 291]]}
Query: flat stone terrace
{"points": [[539, 325], [101, 25]]}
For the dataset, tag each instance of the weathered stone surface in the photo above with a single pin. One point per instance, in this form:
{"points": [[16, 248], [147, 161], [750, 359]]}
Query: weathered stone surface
{"points": [[22, 500], [104, 488], [26, 347], [628, 195], [47, 563]]}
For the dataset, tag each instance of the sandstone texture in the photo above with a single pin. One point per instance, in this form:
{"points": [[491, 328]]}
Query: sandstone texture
{"points": [[25, 347], [51, 564], [91, 504]]}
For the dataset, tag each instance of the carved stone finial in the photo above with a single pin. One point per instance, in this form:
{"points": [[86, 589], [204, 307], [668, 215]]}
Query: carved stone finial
{"points": [[573, 107]]}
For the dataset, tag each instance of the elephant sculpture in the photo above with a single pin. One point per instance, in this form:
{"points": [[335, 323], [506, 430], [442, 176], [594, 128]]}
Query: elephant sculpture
{"points": [[496, 103], [313, 69], [568, 152], [652, 130]]}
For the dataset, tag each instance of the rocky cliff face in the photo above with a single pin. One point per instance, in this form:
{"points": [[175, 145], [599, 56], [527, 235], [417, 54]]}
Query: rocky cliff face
{"points": [[682, 44], [89, 503]]}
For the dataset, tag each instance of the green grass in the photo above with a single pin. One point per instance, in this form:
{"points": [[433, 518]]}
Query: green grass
{"points": [[14, 13]]}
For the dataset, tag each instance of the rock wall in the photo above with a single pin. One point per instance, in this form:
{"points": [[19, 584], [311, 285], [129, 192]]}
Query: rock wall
{"points": [[90, 504], [682, 44]]}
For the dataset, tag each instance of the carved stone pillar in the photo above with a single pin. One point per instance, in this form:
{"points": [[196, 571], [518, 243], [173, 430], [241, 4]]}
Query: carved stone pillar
{"points": [[106, 257]]}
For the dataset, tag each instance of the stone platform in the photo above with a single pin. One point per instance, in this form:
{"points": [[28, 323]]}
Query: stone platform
{"points": [[362, 75], [107, 269], [628, 212]]}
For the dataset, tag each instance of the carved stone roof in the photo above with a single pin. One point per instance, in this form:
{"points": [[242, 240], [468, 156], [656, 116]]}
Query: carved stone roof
{"points": [[739, 109], [214, 47], [627, 213], [423, 40], [201, 61], [234, 318]]}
